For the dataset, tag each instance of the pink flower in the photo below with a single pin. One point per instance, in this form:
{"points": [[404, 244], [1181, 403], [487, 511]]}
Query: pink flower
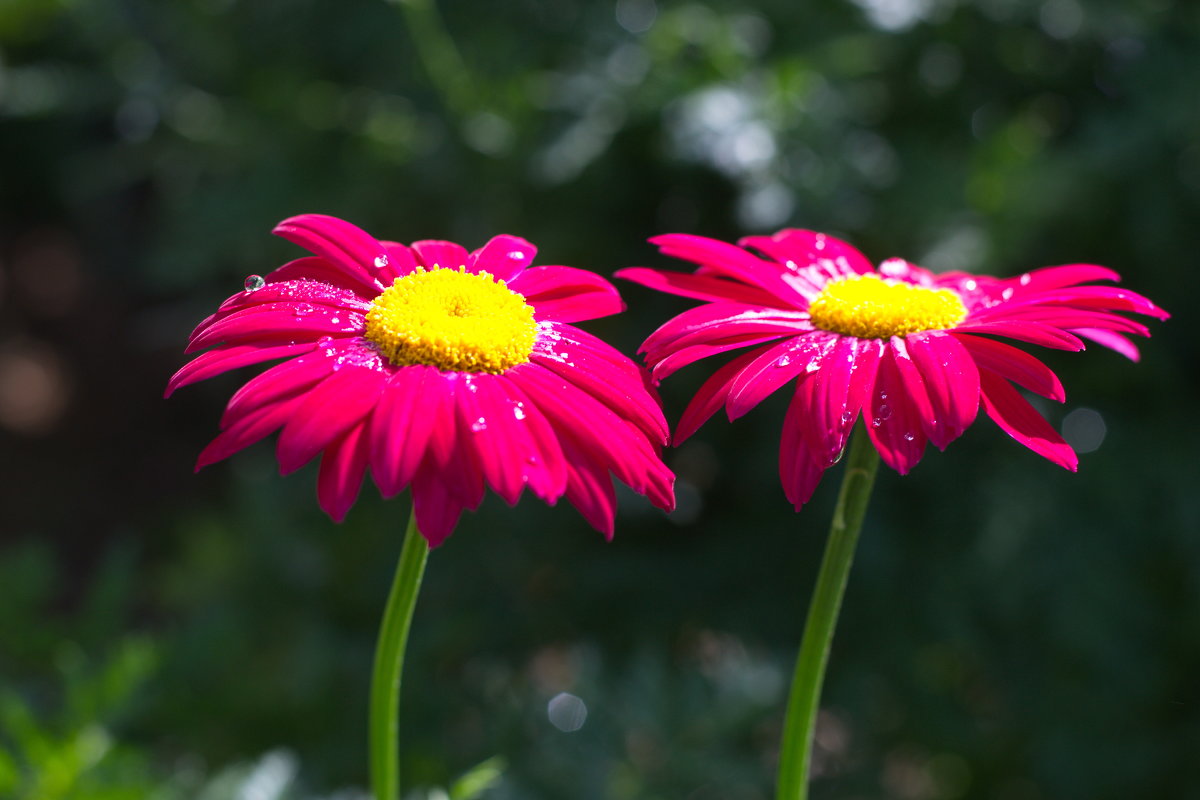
{"points": [[907, 349], [438, 369]]}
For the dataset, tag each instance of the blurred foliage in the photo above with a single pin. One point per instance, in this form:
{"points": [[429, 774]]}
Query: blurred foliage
{"points": [[1010, 632]]}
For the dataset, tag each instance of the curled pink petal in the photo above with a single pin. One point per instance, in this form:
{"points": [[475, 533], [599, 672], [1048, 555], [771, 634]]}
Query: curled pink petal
{"points": [[347, 247], [505, 257], [566, 294]]}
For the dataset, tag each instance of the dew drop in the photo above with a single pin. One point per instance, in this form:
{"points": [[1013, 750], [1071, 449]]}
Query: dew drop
{"points": [[519, 411], [883, 395], [884, 411], [812, 366], [532, 460], [302, 309], [1007, 294], [847, 416], [971, 284], [479, 425], [783, 361], [516, 255], [1026, 279], [908, 437], [254, 282], [334, 320], [820, 243], [875, 423], [381, 261], [324, 341]]}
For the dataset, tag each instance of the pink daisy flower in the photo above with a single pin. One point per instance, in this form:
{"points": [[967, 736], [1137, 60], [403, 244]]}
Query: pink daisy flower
{"points": [[908, 350], [437, 369]]}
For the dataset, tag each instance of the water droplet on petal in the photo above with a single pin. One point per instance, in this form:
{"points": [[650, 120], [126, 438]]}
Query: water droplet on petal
{"points": [[883, 395], [783, 361], [324, 341], [885, 411], [302, 309], [908, 437], [1025, 279], [1007, 294], [820, 243], [812, 366], [516, 255], [334, 320], [847, 416], [875, 423], [479, 425], [519, 411], [970, 284], [254, 282], [381, 261], [532, 460]]}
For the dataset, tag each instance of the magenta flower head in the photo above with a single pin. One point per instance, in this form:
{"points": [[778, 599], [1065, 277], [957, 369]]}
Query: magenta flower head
{"points": [[437, 369], [908, 350]]}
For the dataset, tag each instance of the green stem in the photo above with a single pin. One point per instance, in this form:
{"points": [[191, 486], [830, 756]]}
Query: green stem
{"points": [[389, 664], [795, 755]]}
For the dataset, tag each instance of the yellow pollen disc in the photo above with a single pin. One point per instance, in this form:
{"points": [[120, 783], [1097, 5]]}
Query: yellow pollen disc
{"points": [[452, 319], [871, 307]]}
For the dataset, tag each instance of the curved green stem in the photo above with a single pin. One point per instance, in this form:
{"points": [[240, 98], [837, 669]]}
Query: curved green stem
{"points": [[795, 755], [384, 713]]}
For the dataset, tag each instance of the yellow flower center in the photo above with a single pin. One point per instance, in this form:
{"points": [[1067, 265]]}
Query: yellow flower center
{"points": [[452, 319], [871, 307]]}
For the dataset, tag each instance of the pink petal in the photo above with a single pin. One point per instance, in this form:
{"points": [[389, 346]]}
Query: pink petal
{"points": [[680, 358], [276, 324], [624, 391], [281, 382], [316, 268], [898, 409], [608, 438], [807, 248], [700, 287], [504, 257], [776, 366], [1111, 340], [545, 464], [399, 429], [566, 294], [433, 253], [247, 430], [436, 506], [1104, 298], [798, 469], [1022, 422], [718, 322], [1063, 318], [298, 293], [1015, 365], [330, 409], [341, 475], [589, 488], [447, 453], [348, 247], [951, 381], [733, 262], [711, 395], [1039, 280], [223, 359], [1024, 331], [400, 261], [837, 384]]}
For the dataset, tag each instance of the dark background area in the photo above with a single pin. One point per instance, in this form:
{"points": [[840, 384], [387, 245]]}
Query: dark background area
{"points": [[1011, 631]]}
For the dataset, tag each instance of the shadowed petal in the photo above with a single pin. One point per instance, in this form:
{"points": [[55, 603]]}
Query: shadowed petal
{"points": [[711, 396], [775, 366], [340, 478], [1111, 340], [798, 469], [246, 430], [731, 261], [836, 385]]}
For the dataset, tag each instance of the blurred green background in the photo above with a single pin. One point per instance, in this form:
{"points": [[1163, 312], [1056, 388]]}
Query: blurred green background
{"points": [[1011, 631]]}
